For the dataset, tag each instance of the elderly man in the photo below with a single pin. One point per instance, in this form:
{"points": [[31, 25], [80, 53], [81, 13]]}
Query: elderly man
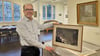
{"points": [[29, 29]]}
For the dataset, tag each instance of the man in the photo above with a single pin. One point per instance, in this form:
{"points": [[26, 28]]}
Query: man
{"points": [[28, 30]]}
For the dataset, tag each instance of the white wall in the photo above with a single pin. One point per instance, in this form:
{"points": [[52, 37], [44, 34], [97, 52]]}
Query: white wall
{"points": [[90, 33], [66, 20]]}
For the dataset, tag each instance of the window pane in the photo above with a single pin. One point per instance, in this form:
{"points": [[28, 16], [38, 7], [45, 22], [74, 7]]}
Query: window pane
{"points": [[7, 11], [53, 12], [48, 12], [1, 15], [16, 12], [44, 17]]}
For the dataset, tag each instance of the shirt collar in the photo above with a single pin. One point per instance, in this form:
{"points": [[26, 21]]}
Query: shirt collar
{"points": [[26, 19]]}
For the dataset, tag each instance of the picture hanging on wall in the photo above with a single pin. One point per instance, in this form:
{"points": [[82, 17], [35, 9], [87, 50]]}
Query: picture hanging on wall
{"points": [[87, 13], [35, 13]]}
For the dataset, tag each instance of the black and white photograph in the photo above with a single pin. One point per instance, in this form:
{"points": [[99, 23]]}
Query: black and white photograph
{"points": [[68, 36]]}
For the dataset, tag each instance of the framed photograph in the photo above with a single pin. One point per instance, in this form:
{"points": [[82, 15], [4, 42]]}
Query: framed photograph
{"points": [[68, 36], [35, 13], [87, 13]]}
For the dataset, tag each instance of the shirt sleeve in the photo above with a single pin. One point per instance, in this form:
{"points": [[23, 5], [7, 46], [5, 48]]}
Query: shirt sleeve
{"points": [[26, 35], [45, 26]]}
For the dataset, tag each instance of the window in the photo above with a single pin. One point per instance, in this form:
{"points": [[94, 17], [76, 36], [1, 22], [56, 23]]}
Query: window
{"points": [[16, 12], [1, 15], [48, 12], [9, 12]]}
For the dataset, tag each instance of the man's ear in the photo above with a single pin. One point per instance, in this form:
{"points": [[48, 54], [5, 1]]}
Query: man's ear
{"points": [[23, 11]]}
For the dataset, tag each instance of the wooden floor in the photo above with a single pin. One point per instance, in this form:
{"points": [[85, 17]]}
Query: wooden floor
{"points": [[14, 48], [10, 49]]}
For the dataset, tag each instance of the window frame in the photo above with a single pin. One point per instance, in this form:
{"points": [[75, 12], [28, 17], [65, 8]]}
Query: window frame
{"points": [[52, 10], [12, 9]]}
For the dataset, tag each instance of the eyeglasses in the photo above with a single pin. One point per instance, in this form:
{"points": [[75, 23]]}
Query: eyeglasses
{"points": [[28, 9]]}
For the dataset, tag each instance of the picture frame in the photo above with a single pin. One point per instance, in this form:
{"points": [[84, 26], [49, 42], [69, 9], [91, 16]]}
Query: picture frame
{"points": [[60, 14], [87, 13], [35, 13], [68, 36]]}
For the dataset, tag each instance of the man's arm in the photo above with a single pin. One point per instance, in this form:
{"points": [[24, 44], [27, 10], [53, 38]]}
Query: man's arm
{"points": [[50, 21], [47, 24]]}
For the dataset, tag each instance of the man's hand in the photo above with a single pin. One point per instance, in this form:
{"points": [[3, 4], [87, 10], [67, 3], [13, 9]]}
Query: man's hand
{"points": [[49, 48]]}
